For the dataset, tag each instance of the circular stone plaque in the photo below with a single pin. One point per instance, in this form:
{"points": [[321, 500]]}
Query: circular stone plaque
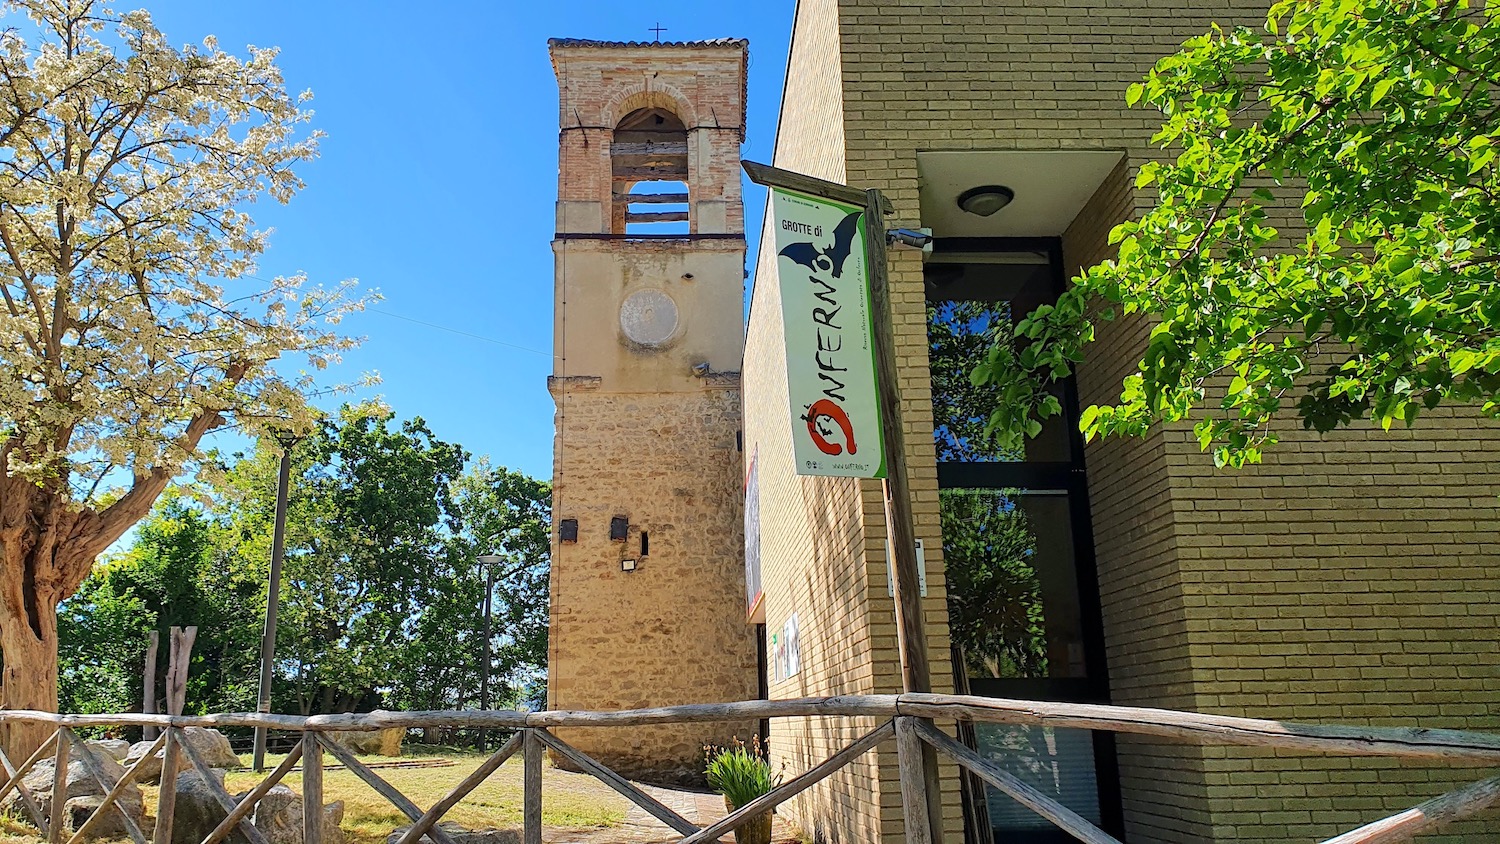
{"points": [[648, 317]]}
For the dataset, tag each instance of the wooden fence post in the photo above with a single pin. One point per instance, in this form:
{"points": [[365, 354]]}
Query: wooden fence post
{"points": [[56, 823], [14, 779], [912, 771], [532, 791], [312, 789], [166, 800], [148, 686]]}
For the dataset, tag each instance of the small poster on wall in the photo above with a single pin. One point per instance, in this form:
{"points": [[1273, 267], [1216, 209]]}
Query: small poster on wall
{"points": [[788, 649]]}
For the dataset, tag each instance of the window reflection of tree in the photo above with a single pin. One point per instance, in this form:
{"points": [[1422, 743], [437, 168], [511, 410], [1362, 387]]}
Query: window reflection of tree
{"points": [[960, 335], [994, 595]]}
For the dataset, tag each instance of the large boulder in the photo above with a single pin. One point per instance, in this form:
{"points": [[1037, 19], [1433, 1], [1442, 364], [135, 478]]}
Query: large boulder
{"points": [[463, 835], [210, 745], [116, 749], [385, 742], [79, 784], [279, 816], [78, 810], [197, 811]]}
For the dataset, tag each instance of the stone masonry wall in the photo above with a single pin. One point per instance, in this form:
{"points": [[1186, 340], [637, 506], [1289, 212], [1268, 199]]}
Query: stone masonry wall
{"points": [[673, 631], [648, 418]]}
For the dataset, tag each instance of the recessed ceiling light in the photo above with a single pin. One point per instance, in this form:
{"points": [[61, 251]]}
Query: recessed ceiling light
{"points": [[985, 199]]}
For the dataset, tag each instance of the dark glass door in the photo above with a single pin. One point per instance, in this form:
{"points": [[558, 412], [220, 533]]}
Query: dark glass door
{"points": [[1023, 599]]}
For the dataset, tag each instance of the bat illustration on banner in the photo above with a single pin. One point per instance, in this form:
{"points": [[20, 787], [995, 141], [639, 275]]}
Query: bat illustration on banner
{"points": [[830, 260]]}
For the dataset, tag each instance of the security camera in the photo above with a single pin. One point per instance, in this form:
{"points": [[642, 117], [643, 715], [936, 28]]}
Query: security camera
{"points": [[910, 239]]}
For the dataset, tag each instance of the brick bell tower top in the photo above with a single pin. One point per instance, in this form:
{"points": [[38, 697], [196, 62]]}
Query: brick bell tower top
{"points": [[633, 113], [648, 579]]}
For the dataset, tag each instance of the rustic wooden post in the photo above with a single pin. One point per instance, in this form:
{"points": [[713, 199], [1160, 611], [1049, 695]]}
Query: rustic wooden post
{"points": [[911, 636], [910, 766], [900, 525], [1018, 790], [312, 789], [14, 777], [148, 685], [532, 791], [471, 782], [180, 642], [273, 599], [91, 765], [177, 667], [166, 799], [56, 822]]}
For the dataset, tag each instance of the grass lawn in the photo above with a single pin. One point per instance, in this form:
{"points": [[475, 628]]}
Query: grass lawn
{"points": [[569, 800]]}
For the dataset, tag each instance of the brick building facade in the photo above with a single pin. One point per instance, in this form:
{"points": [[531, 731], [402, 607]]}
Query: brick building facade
{"points": [[1353, 578]]}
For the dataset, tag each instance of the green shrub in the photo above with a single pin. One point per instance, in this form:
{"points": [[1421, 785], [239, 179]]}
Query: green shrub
{"points": [[740, 773]]}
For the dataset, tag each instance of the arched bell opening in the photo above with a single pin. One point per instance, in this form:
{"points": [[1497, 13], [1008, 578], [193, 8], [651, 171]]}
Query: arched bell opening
{"points": [[649, 169]]}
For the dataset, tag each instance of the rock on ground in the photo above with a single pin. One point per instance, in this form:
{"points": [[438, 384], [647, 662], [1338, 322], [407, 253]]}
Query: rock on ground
{"points": [[197, 811], [385, 742], [78, 810], [79, 784], [116, 749], [210, 745], [279, 816], [463, 835]]}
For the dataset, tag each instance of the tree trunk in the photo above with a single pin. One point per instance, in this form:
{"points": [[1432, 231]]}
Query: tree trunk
{"points": [[28, 679], [46, 552]]}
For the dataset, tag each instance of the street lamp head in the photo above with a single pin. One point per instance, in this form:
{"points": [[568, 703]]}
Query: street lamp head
{"points": [[491, 559]]}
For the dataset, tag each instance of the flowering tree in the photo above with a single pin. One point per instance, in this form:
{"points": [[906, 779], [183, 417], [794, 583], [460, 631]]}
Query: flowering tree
{"points": [[1380, 120], [125, 166]]}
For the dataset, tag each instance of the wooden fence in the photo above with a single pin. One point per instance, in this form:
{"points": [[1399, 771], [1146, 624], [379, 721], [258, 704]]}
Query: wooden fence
{"points": [[907, 719]]}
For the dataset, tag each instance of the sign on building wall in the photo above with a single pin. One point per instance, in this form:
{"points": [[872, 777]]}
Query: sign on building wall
{"points": [[786, 650], [830, 345], [754, 611]]}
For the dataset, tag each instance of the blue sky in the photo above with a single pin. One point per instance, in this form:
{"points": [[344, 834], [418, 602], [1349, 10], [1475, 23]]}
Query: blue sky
{"points": [[437, 181]]}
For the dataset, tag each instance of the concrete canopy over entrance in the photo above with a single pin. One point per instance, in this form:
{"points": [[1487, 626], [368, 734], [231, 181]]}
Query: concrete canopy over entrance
{"points": [[1050, 186]]}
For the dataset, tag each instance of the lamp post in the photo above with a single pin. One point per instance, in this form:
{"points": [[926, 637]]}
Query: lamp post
{"points": [[488, 561], [273, 598]]}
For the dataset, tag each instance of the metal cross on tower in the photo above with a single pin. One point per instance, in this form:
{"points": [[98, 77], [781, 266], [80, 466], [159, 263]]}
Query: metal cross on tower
{"points": [[658, 29]]}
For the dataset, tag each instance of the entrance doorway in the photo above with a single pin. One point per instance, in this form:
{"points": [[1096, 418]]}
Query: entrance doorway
{"points": [[1023, 596]]}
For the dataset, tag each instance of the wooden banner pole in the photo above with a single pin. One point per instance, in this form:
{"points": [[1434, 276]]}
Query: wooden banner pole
{"points": [[911, 636]]}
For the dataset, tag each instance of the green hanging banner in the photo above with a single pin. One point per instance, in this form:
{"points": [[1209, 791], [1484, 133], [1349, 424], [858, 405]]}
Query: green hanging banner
{"points": [[829, 330]]}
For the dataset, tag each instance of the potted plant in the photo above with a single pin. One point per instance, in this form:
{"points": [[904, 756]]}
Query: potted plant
{"points": [[741, 774]]}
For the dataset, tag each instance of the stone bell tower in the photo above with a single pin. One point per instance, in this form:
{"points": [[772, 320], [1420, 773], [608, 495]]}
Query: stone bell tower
{"points": [[648, 582]]}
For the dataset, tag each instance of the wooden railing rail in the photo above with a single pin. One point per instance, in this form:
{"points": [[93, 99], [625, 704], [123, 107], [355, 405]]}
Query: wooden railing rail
{"points": [[907, 719]]}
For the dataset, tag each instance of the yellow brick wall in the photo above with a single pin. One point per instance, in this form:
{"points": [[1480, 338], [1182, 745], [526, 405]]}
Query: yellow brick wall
{"points": [[1141, 591], [1350, 579], [822, 539]]}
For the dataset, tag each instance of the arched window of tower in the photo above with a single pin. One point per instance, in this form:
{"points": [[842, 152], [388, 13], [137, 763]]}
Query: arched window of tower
{"points": [[649, 164]]}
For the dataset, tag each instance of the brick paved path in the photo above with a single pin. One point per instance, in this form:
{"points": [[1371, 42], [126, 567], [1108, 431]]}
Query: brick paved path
{"points": [[640, 828]]}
